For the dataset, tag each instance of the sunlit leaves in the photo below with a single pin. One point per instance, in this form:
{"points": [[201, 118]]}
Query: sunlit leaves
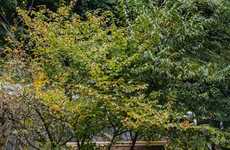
{"points": [[90, 73]]}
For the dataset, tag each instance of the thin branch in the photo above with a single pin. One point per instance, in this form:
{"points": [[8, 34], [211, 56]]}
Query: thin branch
{"points": [[46, 126], [64, 143]]}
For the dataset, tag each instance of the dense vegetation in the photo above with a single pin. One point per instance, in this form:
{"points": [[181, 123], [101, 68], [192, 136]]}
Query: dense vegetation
{"points": [[76, 70]]}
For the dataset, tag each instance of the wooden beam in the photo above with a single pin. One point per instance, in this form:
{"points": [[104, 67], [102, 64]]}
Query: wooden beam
{"points": [[125, 143]]}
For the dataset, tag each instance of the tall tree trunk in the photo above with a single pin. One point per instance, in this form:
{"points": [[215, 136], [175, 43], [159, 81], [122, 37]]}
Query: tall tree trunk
{"points": [[111, 142], [78, 145], [134, 140]]}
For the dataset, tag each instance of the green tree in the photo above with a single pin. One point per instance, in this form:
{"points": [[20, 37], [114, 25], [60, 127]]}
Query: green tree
{"points": [[165, 59]]}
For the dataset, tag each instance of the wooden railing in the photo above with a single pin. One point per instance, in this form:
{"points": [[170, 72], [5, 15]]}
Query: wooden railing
{"points": [[126, 145]]}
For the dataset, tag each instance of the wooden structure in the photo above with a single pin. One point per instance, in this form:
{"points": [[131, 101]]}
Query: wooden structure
{"points": [[126, 145]]}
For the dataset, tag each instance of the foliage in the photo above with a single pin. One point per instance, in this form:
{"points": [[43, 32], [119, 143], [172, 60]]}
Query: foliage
{"points": [[135, 67]]}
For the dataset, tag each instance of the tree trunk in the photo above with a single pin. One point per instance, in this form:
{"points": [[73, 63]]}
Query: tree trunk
{"points": [[134, 140]]}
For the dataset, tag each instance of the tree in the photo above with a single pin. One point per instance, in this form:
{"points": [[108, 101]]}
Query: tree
{"points": [[142, 76]]}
